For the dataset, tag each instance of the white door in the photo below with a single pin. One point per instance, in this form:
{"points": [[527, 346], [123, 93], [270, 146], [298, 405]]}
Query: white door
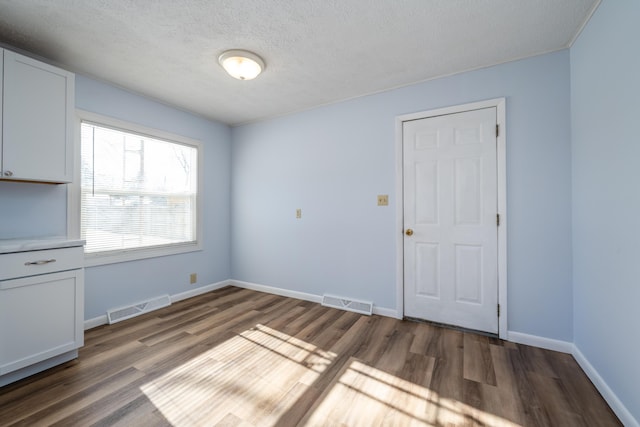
{"points": [[450, 219]]}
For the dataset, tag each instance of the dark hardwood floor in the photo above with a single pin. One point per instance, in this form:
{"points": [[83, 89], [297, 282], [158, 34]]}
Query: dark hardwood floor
{"points": [[236, 357]]}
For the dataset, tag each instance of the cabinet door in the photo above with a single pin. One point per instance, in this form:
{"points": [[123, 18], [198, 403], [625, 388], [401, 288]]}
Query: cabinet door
{"points": [[37, 132], [40, 317]]}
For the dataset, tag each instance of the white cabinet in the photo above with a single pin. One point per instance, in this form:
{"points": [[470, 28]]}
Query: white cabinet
{"points": [[41, 309], [36, 120]]}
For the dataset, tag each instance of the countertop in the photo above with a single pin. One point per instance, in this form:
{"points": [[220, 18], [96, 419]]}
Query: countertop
{"points": [[36, 244]]}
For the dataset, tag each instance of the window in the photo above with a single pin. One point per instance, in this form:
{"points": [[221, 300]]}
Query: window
{"points": [[138, 191]]}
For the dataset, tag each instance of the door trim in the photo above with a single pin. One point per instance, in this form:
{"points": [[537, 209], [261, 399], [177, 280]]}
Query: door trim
{"points": [[499, 104]]}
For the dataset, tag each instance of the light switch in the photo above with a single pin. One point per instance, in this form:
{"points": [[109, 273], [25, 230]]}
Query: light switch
{"points": [[383, 200], [298, 213]]}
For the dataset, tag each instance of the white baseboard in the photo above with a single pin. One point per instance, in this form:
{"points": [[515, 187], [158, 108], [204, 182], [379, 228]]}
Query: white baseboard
{"points": [[386, 312], [382, 311], [103, 320], [199, 290], [277, 291], [542, 342], [95, 322], [616, 405]]}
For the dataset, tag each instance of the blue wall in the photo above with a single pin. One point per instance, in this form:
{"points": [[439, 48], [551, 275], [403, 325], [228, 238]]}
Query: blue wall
{"points": [[332, 162], [32, 210], [605, 104]]}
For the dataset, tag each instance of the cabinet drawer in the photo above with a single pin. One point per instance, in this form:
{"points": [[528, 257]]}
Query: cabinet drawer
{"points": [[23, 264]]}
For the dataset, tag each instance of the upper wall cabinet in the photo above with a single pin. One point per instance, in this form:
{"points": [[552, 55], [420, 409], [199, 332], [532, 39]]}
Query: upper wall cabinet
{"points": [[37, 121]]}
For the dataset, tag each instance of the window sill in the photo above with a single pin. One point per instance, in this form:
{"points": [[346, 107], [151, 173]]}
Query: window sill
{"points": [[92, 260]]}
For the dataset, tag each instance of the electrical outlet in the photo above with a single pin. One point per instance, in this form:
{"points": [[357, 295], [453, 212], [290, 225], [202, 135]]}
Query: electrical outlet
{"points": [[383, 200], [298, 213], [193, 278]]}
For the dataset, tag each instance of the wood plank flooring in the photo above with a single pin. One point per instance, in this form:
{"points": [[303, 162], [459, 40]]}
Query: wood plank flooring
{"points": [[236, 357]]}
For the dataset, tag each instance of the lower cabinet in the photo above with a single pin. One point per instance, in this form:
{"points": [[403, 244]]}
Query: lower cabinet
{"points": [[41, 316]]}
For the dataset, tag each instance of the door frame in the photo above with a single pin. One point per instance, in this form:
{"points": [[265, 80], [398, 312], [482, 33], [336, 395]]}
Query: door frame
{"points": [[499, 104]]}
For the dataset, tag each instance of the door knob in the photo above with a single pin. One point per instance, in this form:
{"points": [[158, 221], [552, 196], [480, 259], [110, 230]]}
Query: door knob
{"points": [[409, 232]]}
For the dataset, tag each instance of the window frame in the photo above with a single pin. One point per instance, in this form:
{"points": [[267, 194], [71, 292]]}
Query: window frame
{"points": [[74, 193]]}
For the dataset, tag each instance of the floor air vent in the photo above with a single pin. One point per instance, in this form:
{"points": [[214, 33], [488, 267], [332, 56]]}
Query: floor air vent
{"points": [[363, 307], [130, 311]]}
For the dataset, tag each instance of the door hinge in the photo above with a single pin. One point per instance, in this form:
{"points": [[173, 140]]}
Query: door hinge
{"points": [[497, 131], [498, 220], [498, 310]]}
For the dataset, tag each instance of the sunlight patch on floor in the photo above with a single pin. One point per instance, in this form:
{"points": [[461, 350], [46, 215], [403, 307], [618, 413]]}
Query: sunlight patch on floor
{"points": [[365, 396], [255, 376]]}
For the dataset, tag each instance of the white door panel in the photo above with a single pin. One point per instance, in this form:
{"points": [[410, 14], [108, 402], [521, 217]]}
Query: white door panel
{"points": [[450, 203]]}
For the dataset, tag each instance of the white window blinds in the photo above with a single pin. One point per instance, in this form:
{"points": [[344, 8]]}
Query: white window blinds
{"points": [[136, 191]]}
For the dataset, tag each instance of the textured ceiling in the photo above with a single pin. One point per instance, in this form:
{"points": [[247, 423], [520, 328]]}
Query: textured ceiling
{"points": [[317, 51]]}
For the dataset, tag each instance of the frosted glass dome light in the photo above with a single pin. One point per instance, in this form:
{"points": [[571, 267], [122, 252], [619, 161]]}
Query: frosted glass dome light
{"points": [[241, 64]]}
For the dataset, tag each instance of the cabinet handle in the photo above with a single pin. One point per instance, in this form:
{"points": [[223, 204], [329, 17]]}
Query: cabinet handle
{"points": [[40, 262], [8, 173]]}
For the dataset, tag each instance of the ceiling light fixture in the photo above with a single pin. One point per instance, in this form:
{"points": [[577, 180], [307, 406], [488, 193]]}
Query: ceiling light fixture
{"points": [[241, 64]]}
